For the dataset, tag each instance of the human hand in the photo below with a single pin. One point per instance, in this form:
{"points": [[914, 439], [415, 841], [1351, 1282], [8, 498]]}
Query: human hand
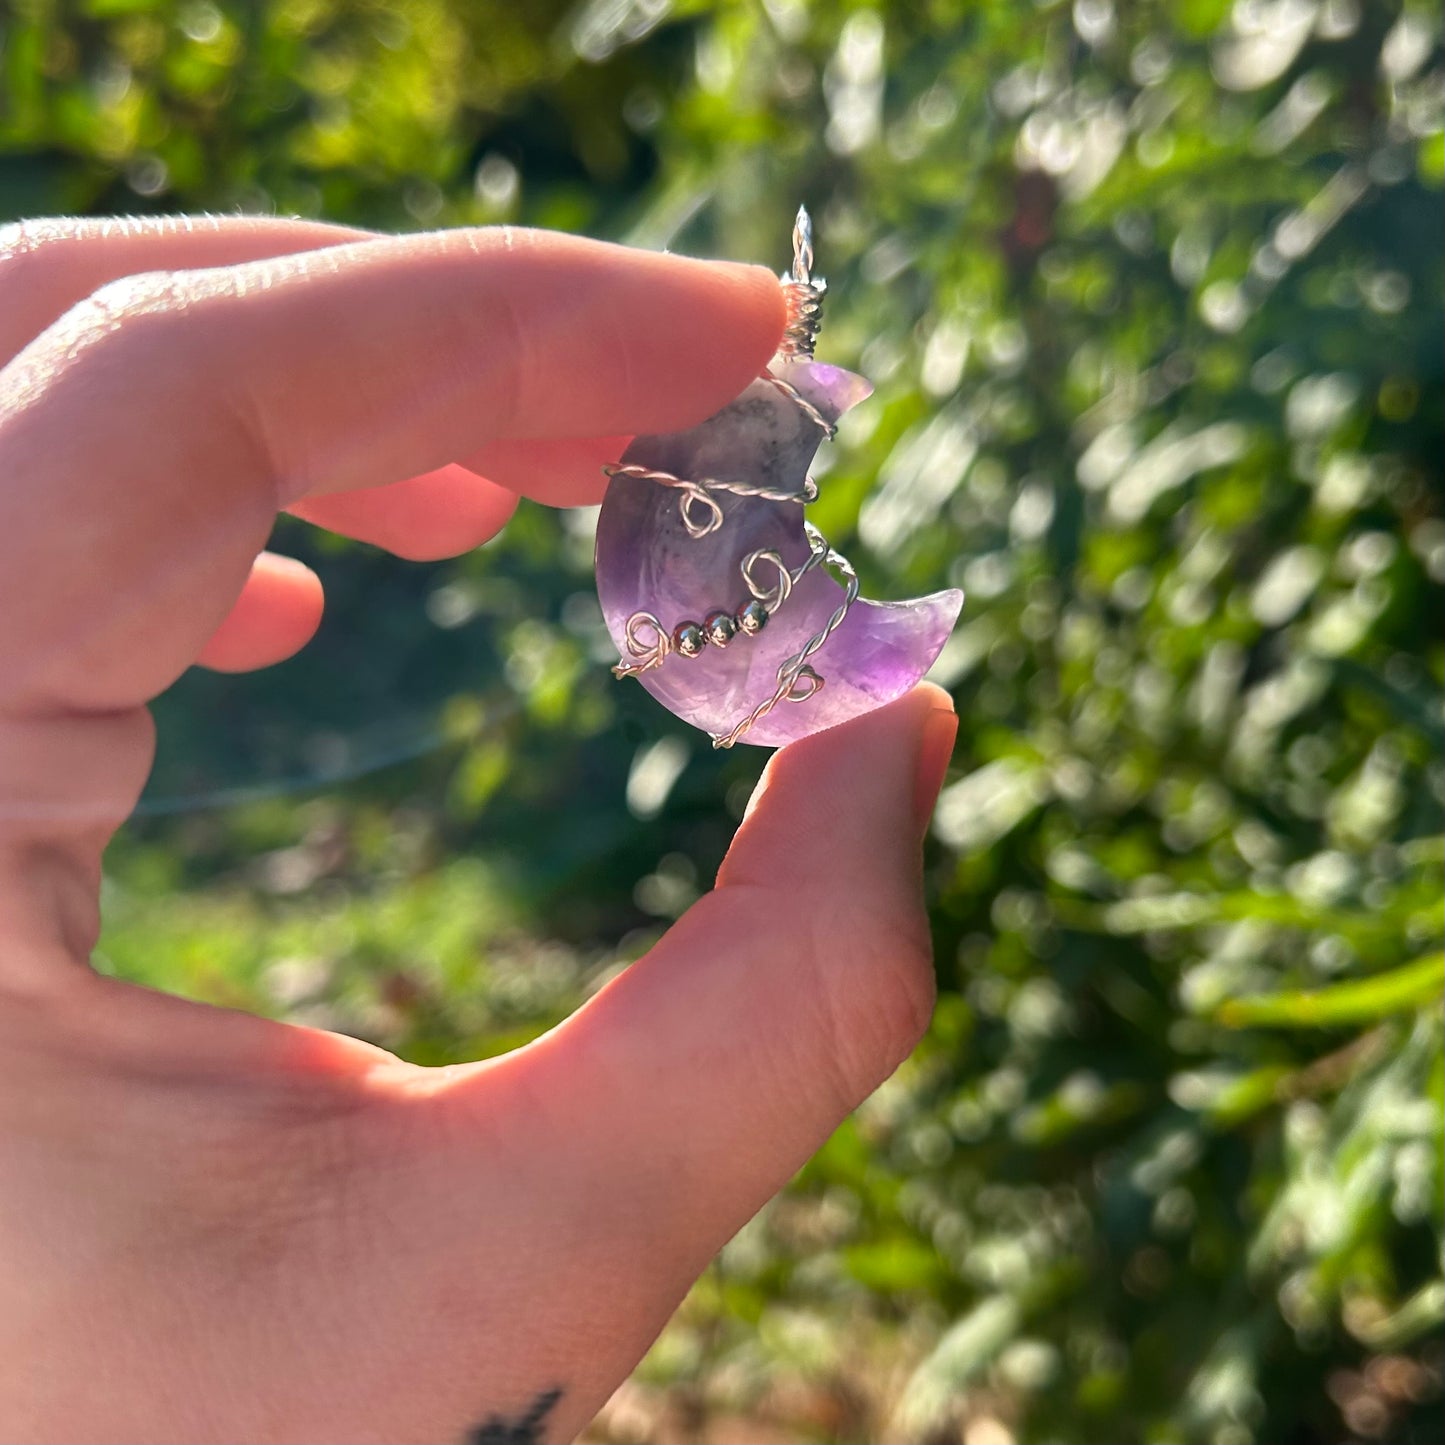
{"points": [[215, 1227]]}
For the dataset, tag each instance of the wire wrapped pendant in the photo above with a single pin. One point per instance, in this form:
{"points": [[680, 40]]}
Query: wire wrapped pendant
{"points": [[724, 601]]}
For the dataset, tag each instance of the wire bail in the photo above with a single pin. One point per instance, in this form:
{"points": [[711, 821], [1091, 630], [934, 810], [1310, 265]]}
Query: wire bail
{"points": [[803, 293]]}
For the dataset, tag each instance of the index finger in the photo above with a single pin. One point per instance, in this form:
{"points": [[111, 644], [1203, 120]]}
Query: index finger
{"points": [[47, 265], [148, 437]]}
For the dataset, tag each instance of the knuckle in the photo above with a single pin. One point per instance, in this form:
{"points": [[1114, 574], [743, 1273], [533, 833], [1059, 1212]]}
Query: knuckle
{"points": [[144, 346], [131, 328], [153, 297]]}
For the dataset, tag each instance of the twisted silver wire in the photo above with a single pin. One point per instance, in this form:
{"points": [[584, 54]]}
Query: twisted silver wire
{"points": [[771, 597], [802, 246], [802, 403], [646, 655], [803, 294], [774, 597], [696, 493]]}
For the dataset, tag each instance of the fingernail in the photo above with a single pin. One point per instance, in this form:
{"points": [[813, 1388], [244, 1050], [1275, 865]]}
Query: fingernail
{"points": [[935, 750]]}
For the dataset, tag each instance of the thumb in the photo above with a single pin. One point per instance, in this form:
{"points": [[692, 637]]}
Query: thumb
{"points": [[703, 1077]]}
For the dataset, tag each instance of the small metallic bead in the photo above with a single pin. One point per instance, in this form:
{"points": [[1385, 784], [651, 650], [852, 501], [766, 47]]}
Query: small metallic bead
{"points": [[689, 638], [752, 618], [720, 627]]}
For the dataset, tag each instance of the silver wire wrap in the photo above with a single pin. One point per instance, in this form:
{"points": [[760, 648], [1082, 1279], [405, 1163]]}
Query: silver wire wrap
{"points": [[648, 643], [695, 494], [799, 400], [796, 671]]}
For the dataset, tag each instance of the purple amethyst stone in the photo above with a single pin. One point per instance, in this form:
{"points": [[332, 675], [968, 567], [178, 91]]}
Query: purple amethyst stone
{"points": [[647, 561]]}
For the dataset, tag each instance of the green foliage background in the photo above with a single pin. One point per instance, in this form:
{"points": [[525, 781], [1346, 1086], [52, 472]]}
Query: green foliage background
{"points": [[1152, 295]]}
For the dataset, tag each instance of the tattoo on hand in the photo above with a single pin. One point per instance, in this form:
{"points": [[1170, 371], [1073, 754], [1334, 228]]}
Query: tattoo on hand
{"points": [[523, 1429]]}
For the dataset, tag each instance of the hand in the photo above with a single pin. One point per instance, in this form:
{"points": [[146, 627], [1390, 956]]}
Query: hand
{"points": [[214, 1227]]}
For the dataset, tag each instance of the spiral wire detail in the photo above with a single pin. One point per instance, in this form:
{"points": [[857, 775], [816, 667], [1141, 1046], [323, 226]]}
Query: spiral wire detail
{"points": [[797, 680], [649, 643]]}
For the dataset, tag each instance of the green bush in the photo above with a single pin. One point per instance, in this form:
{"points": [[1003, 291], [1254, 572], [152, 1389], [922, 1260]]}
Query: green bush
{"points": [[1152, 295]]}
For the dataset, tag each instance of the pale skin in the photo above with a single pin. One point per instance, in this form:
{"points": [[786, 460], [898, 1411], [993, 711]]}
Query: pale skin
{"points": [[215, 1227]]}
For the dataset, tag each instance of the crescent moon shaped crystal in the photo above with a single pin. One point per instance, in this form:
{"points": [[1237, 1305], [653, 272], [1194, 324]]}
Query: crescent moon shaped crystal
{"points": [[718, 592]]}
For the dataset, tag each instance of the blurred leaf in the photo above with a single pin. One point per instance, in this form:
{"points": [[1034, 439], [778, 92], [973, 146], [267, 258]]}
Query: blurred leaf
{"points": [[963, 1352], [1411, 986]]}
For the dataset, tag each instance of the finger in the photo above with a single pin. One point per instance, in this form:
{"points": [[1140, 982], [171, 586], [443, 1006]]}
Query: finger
{"points": [[700, 1080], [451, 510], [275, 616], [203, 398], [438, 514], [558, 339], [47, 266]]}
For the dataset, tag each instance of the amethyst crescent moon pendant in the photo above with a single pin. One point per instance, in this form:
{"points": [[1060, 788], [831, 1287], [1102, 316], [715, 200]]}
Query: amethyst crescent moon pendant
{"points": [[726, 604]]}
